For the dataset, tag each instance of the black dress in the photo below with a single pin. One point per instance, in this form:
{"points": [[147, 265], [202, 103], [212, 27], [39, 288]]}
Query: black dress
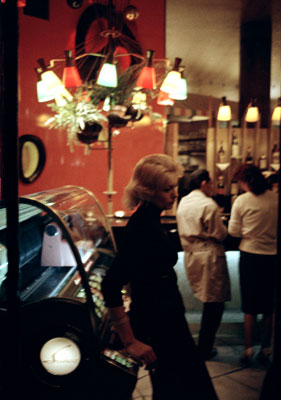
{"points": [[146, 259]]}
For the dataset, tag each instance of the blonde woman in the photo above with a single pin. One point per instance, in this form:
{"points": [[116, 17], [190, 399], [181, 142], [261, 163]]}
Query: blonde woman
{"points": [[156, 332]]}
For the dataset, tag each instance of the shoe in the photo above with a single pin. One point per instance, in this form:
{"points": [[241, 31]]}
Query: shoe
{"points": [[247, 356], [211, 354], [264, 356]]}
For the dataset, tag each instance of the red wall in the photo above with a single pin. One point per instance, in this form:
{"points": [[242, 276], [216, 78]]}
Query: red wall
{"points": [[48, 39]]}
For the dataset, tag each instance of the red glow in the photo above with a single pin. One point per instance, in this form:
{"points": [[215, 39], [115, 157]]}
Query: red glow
{"points": [[71, 77], [147, 78], [164, 99]]}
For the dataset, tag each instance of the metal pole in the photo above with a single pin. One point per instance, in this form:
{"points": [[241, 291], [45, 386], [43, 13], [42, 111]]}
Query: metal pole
{"points": [[110, 192]]}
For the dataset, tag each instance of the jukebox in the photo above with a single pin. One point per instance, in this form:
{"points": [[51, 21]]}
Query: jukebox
{"points": [[68, 346]]}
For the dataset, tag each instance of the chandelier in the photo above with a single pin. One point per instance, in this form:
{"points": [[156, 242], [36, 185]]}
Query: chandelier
{"points": [[106, 81]]}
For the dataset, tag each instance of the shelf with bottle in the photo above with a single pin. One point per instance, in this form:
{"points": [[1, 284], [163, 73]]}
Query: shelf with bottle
{"points": [[235, 147], [222, 162]]}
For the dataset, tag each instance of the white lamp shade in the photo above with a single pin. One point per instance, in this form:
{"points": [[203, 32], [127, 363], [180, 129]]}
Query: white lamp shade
{"points": [[42, 92], [276, 115], [108, 76], [180, 93], [54, 85], [171, 82], [252, 114], [224, 113]]}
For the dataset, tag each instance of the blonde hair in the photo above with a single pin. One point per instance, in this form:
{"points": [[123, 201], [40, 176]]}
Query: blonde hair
{"points": [[151, 173]]}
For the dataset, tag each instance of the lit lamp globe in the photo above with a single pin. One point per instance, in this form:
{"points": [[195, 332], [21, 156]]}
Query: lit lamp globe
{"points": [[224, 112]]}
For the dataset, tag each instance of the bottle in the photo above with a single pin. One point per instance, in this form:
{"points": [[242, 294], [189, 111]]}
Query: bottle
{"points": [[220, 186], [275, 154], [235, 147], [249, 157], [263, 162], [221, 155]]}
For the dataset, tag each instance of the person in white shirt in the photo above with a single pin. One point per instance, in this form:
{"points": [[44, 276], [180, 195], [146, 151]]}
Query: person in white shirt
{"points": [[202, 231], [254, 217]]}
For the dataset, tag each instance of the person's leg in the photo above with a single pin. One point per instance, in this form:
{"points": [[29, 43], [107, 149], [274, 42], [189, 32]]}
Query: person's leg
{"points": [[249, 327], [210, 322], [179, 368]]}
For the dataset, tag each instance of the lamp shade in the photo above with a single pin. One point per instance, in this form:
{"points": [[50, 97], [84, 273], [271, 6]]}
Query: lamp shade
{"points": [[42, 91], [224, 112], [54, 85], [276, 115], [180, 93], [147, 77], [171, 82], [252, 114], [164, 99], [108, 75], [70, 77]]}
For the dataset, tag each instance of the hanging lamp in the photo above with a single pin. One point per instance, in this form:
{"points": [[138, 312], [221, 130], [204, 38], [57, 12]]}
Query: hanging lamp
{"points": [[252, 113], [70, 77], [53, 84], [224, 112], [108, 73], [276, 115], [180, 93], [163, 99], [171, 81], [41, 88], [147, 77]]}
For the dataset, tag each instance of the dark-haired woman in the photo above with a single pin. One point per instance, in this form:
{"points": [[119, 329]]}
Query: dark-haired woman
{"points": [[254, 218]]}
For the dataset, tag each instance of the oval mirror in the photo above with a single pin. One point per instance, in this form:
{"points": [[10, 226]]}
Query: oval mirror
{"points": [[32, 158]]}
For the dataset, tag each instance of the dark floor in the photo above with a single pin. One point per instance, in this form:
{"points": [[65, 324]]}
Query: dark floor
{"points": [[230, 379]]}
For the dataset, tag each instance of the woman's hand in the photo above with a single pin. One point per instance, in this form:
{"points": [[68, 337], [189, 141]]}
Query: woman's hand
{"points": [[141, 352]]}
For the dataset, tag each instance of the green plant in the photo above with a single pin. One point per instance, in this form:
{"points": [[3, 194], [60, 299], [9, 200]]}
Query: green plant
{"points": [[75, 113]]}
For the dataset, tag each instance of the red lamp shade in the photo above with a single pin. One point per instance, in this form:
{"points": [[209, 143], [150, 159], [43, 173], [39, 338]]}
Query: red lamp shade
{"points": [[70, 77], [147, 77], [164, 99]]}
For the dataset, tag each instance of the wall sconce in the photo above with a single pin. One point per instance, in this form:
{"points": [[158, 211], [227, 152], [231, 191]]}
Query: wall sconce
{"points": [[224, 112], [276, 115], [252, 113]]}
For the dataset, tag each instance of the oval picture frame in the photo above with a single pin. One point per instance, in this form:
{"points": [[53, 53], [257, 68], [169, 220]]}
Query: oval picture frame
{"points": [[32, 158]]}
